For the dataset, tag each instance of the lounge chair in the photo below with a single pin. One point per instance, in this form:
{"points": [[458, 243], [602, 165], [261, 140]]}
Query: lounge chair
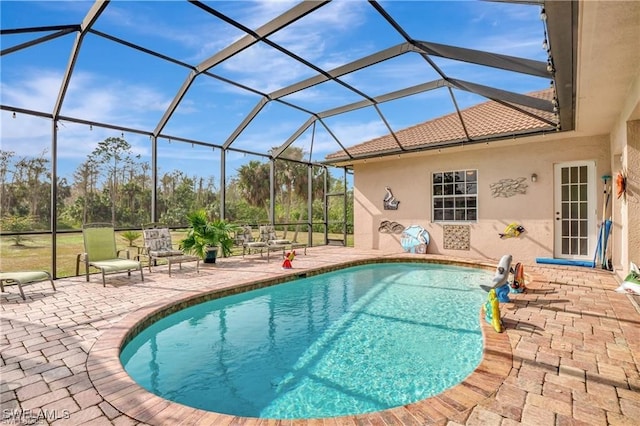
{"points": [[101, 252], [244, 237], [268, 235], [24, 278], [158, 245]]}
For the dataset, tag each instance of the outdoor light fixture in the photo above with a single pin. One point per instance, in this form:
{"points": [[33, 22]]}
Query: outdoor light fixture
{"points": [[550, 66], [534, 177], [543, 14]]}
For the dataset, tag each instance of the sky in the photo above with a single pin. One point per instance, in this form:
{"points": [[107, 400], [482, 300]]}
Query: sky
{"points": [[117, 85]]}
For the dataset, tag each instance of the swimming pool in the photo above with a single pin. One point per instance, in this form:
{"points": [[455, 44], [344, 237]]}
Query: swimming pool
{"points": [[352, 341]]}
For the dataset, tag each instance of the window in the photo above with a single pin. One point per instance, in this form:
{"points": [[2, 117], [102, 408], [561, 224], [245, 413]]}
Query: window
{"points": [[455, 196]]}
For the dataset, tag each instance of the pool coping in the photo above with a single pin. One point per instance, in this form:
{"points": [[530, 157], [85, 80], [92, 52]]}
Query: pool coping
{"points": [[115, 385]]}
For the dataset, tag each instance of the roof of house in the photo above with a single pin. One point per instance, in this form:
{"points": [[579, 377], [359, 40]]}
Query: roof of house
{"points": [[489, 120]]}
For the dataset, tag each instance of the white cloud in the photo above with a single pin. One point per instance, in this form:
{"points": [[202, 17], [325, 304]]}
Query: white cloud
{"points": [[35, 89], [257, 13], [270, 70]]}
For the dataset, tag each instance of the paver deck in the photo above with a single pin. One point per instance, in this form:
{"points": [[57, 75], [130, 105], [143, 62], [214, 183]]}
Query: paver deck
{"points": [[570, 353]]}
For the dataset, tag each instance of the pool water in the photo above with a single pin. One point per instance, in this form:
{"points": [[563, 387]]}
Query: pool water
{"points": [[357, 340]]}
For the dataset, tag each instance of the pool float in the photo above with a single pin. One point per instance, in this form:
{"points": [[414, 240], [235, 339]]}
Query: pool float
{"points": [[288, 259], [631, 283], [500, 282], [502, 293], [492, 311], [517, 285], [502, 271]]}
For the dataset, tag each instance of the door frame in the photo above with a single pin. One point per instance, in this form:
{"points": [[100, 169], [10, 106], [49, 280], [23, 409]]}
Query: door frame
{"points": [[592, 221]]}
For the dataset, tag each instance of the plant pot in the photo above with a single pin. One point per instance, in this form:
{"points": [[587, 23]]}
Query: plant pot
{"points": [[211, 254]]}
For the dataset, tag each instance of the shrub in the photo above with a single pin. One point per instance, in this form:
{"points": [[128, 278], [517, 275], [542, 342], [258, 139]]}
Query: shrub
{"points": [[17, 224], [131, 236]]}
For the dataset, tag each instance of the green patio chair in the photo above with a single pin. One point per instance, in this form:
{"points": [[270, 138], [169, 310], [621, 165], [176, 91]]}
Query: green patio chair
{"points": [[101, 252], [24, 278]]}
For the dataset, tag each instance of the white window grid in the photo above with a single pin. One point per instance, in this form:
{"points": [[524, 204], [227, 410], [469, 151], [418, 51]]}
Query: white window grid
{"points": [[455, 196]]}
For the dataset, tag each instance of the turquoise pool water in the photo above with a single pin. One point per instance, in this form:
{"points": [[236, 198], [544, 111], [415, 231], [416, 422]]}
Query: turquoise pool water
{"points": [[358, 340]]}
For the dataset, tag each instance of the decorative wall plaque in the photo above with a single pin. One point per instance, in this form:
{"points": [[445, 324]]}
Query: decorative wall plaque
{"points": [[389, 201], [457, 237], [508, 187]]}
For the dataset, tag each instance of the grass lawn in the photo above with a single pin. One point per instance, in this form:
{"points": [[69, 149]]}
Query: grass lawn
{"points": [[35, 254]]}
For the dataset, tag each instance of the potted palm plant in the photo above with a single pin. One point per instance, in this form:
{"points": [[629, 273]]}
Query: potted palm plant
{"points": [[205, 237]]}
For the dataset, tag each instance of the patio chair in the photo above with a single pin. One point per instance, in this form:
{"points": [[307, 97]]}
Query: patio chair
{"points": [[101, 252], [24, 278], [158, 245], [244, 237], [249, 244], [268, 235]]}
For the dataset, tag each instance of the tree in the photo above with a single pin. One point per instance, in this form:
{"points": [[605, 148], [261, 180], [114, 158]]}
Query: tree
{"points": [[85, 178], [34, 170], [287, 174], [176, 197], [253, 181], [293, 185], [115, 155], [5, 161], [17, 224], [27, 194]]}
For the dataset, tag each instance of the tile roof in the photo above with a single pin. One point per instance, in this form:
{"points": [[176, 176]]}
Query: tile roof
{"points": [[482, 121]]}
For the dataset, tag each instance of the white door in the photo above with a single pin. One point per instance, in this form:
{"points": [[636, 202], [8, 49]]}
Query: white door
{"points": [[575, 230]]}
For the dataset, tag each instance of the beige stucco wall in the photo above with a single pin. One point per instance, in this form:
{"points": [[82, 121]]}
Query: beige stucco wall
{"points": [[632, 199], [409, 177], [628, 207], [625, 149]]}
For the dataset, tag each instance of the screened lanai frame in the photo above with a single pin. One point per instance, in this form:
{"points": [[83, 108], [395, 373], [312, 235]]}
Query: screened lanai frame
{"points": [[559, 26]]}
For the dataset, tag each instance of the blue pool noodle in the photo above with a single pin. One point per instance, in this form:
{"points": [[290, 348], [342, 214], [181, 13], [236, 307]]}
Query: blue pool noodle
{"points": [[569, 262]]}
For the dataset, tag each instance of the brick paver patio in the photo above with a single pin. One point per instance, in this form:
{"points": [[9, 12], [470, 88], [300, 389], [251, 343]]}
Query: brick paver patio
{"points": [[570, 353]]}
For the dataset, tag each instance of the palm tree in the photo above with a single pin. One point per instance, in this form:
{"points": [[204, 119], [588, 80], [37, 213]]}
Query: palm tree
{"points": [[253, 180], [293, 178]]}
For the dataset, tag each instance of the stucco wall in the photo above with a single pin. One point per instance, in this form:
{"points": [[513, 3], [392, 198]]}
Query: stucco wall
{"points": [[409, 177], [630, 204], [625, 149]]}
